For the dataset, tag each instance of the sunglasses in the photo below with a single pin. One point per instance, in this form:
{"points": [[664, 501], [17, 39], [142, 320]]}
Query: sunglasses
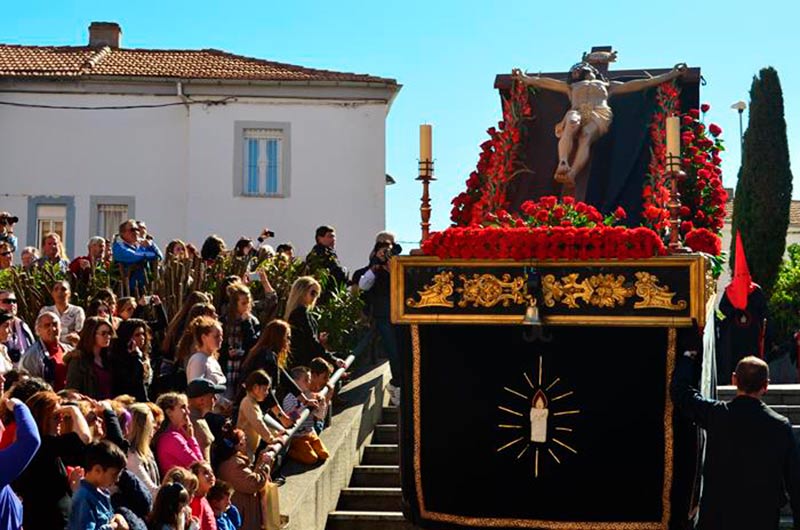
{"points": [[9, 301], [6, 253]]}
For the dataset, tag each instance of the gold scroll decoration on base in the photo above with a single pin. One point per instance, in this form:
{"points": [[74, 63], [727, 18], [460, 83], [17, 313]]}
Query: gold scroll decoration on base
{"points": [[435, 294], [487, 290], [599, 290], [655, 296]]}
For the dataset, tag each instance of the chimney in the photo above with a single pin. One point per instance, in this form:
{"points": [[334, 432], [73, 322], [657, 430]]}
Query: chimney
{"points": [[104, 34]]}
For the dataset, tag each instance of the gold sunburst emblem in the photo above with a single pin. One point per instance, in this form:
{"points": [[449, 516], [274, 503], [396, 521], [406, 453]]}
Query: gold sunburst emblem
{"points": [[541, 418]]}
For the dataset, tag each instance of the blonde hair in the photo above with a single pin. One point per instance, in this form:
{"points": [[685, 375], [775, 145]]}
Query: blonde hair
{"points": [[167, 401], [62, 252], [184, 477], [141, 429], [300, 288]]}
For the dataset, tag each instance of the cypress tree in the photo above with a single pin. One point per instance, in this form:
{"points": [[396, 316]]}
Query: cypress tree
{"points": [[764, 190]]}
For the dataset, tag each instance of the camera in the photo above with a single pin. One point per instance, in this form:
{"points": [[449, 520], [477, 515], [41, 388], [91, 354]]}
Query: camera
{"points": [[254, 276]]}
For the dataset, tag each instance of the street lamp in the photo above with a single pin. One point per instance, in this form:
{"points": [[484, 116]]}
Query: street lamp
{"points": [[739, 107]]}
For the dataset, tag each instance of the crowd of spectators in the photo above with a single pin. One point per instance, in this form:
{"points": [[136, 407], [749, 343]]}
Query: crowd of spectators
{"points": [[118, 415]]}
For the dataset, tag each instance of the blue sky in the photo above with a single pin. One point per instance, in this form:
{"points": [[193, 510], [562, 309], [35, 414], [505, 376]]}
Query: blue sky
{"points": [[446, 54]]}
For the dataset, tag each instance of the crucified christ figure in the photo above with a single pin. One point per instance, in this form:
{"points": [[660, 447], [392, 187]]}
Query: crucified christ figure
{"points": [[589, 116]]}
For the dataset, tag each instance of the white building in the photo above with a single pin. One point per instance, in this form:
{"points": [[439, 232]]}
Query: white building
{"points": [[192, 142]]}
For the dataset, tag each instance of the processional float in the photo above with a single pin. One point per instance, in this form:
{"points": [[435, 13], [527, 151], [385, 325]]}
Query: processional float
{"points": [[545, 322]]}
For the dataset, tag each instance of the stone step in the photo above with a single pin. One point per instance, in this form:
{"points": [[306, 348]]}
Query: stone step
{"points": [[386, 434], [790, 411], [356, 520], [776, 395], [381, 454], [365, 476], [390, 415], [371, 499]]}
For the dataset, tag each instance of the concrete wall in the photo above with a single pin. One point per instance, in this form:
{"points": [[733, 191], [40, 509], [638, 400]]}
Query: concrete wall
{"points": [[178, 163]]}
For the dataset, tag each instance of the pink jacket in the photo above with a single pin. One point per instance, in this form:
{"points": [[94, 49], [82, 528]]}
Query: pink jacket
{"points": [[175, 449]]}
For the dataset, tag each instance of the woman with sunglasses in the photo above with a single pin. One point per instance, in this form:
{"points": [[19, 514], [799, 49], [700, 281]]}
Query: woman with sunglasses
{"points": [[21, 337], [89, 367], [307, 342]]}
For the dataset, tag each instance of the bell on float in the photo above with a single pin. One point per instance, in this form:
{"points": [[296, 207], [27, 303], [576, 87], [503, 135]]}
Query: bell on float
{"points": [[532, 316]]}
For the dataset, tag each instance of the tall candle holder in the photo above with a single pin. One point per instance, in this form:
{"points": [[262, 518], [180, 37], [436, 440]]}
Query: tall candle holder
{"points": [[425, 176], [675, 174]]}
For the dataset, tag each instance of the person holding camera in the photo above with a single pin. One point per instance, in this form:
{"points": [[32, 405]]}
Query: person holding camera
{"points": [[7, 222], [135, 250], [375, 284]]}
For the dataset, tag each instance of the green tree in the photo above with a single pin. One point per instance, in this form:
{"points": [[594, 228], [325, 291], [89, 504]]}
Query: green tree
{"points": [[764, 190], [784, 304]]}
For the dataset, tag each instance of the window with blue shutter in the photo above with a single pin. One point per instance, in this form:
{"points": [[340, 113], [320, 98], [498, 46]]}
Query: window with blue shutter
{"points": [[262, 162]]}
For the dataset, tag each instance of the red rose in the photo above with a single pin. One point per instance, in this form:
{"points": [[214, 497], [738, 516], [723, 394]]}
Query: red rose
{"points": [[619, 213], [694, 113], [687, 120], [705, 107], [542, 216], [715, 129], [559, 212]]}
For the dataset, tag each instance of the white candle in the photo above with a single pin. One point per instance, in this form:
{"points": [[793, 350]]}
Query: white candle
{"points": [[425, 142], [673, 143], [538, 425]]}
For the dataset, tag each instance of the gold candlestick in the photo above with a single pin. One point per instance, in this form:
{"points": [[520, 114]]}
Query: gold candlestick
{"points": [[425, 176], [674, 174]]}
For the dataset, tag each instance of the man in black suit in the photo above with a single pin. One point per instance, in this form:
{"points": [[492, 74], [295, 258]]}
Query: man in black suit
{"points": [[752, 459]]}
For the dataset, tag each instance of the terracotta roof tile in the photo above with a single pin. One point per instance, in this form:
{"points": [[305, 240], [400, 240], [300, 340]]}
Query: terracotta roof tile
{"points": [[18, 61], [794, 211]]}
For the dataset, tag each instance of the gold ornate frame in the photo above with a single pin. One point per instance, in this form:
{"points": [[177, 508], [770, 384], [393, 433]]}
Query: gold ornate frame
{"points": [[544, 524], [701, 288]]}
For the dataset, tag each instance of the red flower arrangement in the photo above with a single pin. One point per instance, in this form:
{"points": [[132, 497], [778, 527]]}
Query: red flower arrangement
{"points": [[704, 240], [545, 243], [544, 230], [702, 196]]}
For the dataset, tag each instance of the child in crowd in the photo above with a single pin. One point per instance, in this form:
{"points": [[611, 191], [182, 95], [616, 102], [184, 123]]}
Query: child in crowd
{"points": [[227, 515], [201, 509], [251, 419], [190, 483], [321, 371], [305, 447], [171, 509], [91, 504]]}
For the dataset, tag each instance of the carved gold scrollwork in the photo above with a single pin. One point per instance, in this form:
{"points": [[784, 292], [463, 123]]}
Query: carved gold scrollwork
{"points": [[600, 290], [435, 294], [655, 296], [487, 290]]}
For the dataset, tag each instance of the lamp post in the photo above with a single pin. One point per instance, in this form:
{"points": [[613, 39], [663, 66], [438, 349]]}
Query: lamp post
{"points": [[739, 107]]}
